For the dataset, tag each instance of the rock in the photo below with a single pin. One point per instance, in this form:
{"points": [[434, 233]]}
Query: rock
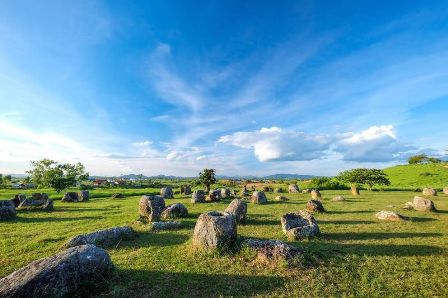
{"points": [[214, 230], [117, 195], [272, 250], [445, 190], [267, 189], [278, 190], [176, 210], [281, 198], [315, 194], [239, 209], [389, 216], [167, 192], [225, 193], [214, 195], [422, 204], [30, 204], [245, 192], [408, 206], [315, 206], [185, 190], [103, 238], [198, 196], [355, 190], [338, 199], [306, 190], [70, 197], [150, 207], [166, 225], [76, 270], [39, 196], [19, 198], [293, 188], [7, 210], [258, 197], [84, 195], [427, 191], [299, 225]]}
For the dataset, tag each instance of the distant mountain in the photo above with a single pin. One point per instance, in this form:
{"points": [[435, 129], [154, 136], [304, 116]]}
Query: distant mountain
{"points": [[288, 176], [269, 177]]}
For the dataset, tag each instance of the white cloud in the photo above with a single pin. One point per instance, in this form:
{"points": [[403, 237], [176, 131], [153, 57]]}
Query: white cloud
{"points": [[375, 144], [274, 144]]}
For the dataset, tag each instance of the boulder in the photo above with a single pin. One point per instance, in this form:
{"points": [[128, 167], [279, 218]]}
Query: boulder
{"points": [[315, 194], [267, 189], [19, 198], [239, 209], [422, 204], [84, 195], [280, 198], [185, 190], [7, 210], [176, 210], [299, 225], [258, 197], [354, 190], [30, 204], [408, 206], [445, 190], [70, 197], [198, 196], [338, 199], [214, 230], [214, 195], [73, 272], [166, 225], [150, 207], [278, 190], [245, 192], [39, 196], [293, 188], [167, 192], [103, 238], [117, 195], [306, 190], [389, 216], [225, 193], [427, 191], [272, 250], [315, 206]]}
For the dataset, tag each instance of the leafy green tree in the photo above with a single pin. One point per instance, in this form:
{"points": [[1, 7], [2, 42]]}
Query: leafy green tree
{"points": [[422, 158], [207, 178], [368, 177], [49, 173]]}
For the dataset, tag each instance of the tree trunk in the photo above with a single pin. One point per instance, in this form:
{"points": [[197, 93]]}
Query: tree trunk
{"points": [[355, 190]]}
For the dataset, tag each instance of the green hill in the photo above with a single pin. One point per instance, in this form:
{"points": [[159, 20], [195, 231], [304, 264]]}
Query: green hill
{"points": [[418, 175]]}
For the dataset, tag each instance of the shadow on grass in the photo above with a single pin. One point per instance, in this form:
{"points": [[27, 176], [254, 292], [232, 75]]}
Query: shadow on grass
{"points": [[323, 250], [149, 283], [375, 236], [84, 209], [50, 219], [152, 238], [346, 222], [250, 221], [349, 211], [422, 219]]}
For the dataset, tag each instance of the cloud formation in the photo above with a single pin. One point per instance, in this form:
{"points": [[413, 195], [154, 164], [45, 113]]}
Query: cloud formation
{"points": [[375, 144]]}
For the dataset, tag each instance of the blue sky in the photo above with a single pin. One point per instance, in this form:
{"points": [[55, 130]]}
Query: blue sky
{"points": [[253, 88]]}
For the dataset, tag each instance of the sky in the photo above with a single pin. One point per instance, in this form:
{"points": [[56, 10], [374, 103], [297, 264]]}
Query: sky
{"points": [[244, 87]]}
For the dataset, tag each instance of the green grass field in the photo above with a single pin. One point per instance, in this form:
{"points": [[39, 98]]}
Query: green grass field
{"points": [[356, 255], [418, 175]]}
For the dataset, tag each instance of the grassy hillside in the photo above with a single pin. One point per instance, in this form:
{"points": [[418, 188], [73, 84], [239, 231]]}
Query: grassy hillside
{"points": [[356, 255], [418, 175]]}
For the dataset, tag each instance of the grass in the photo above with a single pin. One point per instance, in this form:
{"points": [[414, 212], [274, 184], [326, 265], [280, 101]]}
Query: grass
{"points": [[356, 255], [418, 175]]}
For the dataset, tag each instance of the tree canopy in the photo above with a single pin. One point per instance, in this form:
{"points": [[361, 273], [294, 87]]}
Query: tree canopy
{"points": [[422, 158], [368, 177], [207, 178], [49, 173]]}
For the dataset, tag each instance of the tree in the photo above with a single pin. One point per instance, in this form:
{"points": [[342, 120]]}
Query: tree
{"points": [[49, 173], [207, 178], [422, 158], [369, 177]]}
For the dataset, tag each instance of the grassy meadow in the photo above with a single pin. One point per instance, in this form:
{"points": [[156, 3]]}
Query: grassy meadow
{"points": [[355, 255]]}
